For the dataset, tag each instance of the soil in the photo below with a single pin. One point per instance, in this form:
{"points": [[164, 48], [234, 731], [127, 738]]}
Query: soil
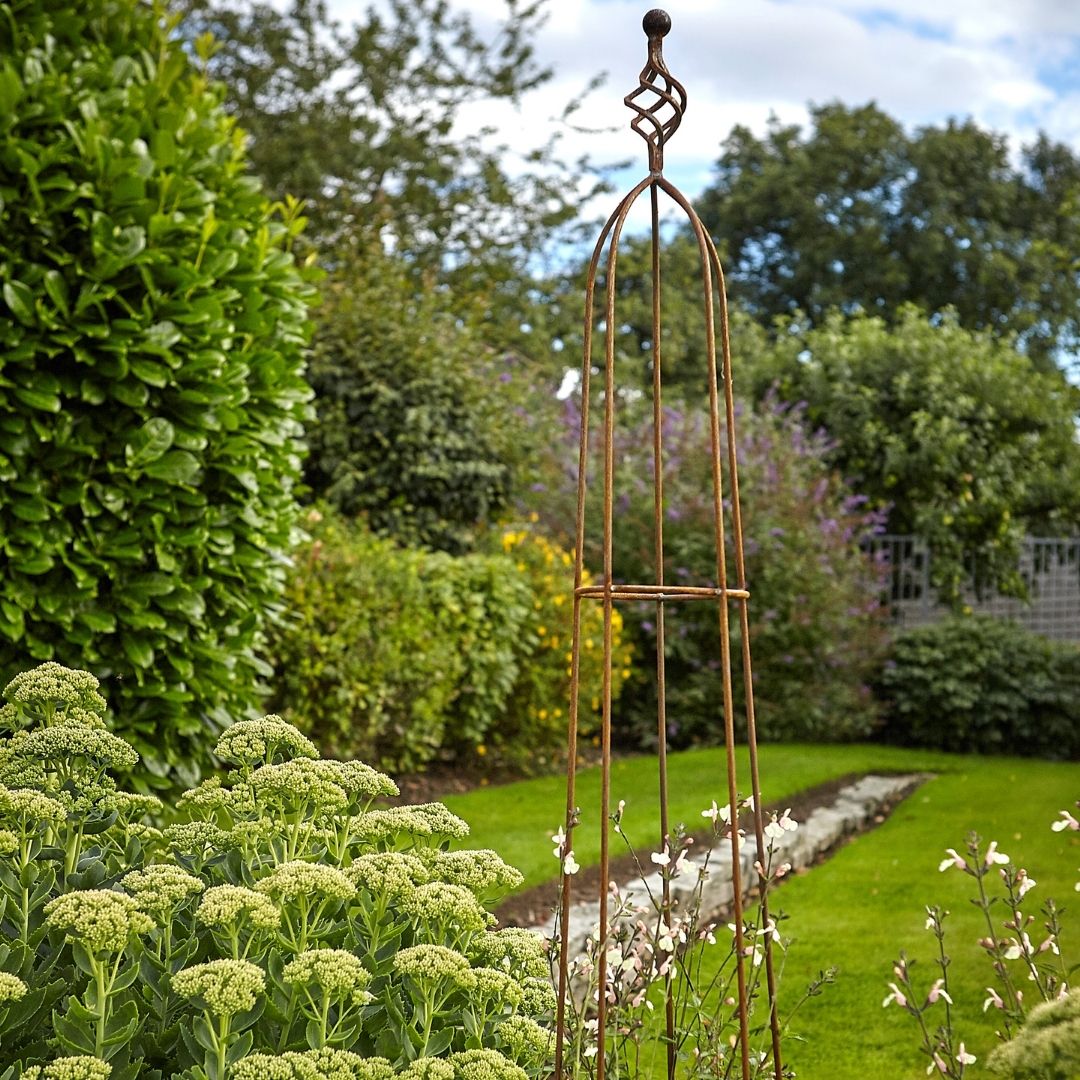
{"points": [[534, 907]]}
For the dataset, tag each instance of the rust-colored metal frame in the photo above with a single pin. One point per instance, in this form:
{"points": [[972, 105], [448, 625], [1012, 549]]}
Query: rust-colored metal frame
{"points": [[656, 122]]}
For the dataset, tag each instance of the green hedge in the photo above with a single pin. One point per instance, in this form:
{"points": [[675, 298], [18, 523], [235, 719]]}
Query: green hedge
{"points": [[975, 683], [152, 325], [407, 656]]}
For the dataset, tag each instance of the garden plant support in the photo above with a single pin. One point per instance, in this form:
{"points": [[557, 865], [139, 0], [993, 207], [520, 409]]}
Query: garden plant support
{"points": [[658, 104]]}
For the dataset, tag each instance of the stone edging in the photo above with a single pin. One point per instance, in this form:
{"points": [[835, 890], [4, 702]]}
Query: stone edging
{"points": [[852, 811]]}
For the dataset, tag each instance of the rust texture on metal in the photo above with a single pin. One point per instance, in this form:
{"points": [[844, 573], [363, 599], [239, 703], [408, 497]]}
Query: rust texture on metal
{"points": [[658, 103]]}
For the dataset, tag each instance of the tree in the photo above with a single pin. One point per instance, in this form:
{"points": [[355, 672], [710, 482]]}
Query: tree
{"points": [[855, 214], [367, 124], [949, 429], [151, 393]]}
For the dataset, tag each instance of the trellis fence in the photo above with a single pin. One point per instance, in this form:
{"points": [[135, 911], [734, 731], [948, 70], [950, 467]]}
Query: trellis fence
{"points": [[1050, 567]]}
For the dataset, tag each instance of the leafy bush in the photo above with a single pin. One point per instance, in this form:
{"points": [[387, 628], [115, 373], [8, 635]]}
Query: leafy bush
{"points": [[412, 426], [284, 924], [816, 621], [975, 683], [396, 654], [532, 729], [152, 328], [405, 656]]}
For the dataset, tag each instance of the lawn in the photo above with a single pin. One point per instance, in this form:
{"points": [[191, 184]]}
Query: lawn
{"points": [[864, 905]]}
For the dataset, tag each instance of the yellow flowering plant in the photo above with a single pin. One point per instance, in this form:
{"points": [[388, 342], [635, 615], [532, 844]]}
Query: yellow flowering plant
{"points": [[532, 732]]}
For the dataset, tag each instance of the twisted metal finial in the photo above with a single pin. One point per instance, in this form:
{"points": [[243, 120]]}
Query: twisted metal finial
{"points": [[659, 116]]}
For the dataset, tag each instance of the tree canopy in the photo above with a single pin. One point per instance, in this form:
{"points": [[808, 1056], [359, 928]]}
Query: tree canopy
{"points": [[856, 214], [949, 429]]}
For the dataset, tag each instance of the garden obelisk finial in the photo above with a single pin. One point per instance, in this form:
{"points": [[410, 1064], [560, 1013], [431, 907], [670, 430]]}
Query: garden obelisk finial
{"points": [[663, 97]]}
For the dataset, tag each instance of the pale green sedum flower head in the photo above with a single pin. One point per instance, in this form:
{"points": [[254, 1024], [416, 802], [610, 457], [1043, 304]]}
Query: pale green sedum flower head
{"points": [[100, 919], [293, 879], [529, 1043], [485, 1065], [388, 873], [12, 988], [227, 986], [160, 888], [338, 972], [481, 871], [233, 906], [52, 684], [434, 962], [516, 950], [438, 902], [80, 1067], [25, 806], [62, 742], [428, 1068], [538, 996], [498, 985], [324, 1064], [262, 742]]}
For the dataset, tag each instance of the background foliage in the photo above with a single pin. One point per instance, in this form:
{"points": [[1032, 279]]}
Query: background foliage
{"points": [[951, 431], [407, 656], [151, 395], [855, 213], [816, 617], [973, 683]]}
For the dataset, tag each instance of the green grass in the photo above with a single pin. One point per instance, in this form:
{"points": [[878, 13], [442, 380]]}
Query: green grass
{"points": [[858, 910], [517, 819]]}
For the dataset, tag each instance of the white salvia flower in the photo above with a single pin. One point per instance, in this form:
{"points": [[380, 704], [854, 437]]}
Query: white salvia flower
{"points": [[778, 826], [558, 839], [1025, 883], [995, 857], [1013, 952], [661, 858], [954, 859], [748, 802], [713, 813], [570, 864], [897, 995], [994, 999], [1067, 822], [938, 991], [964, 1057]]}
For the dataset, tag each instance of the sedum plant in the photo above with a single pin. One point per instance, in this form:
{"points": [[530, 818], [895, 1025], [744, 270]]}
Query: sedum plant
{"points": [[284, 919]]}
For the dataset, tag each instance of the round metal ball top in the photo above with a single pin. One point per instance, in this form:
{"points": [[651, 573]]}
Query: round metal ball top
{"points": [[656, 23]]}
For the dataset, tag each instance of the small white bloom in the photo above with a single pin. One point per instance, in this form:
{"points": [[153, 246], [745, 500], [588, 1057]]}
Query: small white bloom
{"points": [[953, 860], [995, 857], [1067, 822], [897, 995], [938, 991], [661, 858], [964, 1057], [570, 864], [558, 839]]}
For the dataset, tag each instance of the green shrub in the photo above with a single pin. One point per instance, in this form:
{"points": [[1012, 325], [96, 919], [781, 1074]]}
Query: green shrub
{"points": [[285, 924], [398, 655], [151, 333], [975, 683], [413, 428], [406, 656], [815, 613]]}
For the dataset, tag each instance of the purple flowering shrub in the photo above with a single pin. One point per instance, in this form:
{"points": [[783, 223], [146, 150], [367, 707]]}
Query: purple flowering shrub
{"points": [[817, 626]]}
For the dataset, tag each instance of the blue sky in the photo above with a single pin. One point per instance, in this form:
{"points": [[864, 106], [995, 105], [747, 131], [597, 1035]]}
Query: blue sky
{"points": [[1013, 65]]}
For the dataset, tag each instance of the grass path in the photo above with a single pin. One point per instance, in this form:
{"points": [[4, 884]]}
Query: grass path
{"points": [[861, 907]]}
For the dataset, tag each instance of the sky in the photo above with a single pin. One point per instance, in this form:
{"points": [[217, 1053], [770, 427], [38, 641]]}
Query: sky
{"points": [[1012, 65]]}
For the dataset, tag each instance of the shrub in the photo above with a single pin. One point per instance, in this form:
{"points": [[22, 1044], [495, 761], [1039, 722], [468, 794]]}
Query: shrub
{"points": [[407, 656], [284, 924], [412, 426], [975, 683], [152, 328], [816, 621], [532, 729]]}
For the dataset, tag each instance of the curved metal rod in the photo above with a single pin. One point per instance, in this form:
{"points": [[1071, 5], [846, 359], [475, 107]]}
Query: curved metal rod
{"points": [[711, 259], [617, 218]]}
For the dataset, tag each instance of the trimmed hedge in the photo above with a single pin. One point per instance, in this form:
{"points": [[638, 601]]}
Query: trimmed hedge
{"points": [[151, 394], [983, 685]]}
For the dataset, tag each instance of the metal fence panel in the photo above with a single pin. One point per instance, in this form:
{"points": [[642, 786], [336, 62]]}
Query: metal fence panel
{"points": [[1049, 565]]}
